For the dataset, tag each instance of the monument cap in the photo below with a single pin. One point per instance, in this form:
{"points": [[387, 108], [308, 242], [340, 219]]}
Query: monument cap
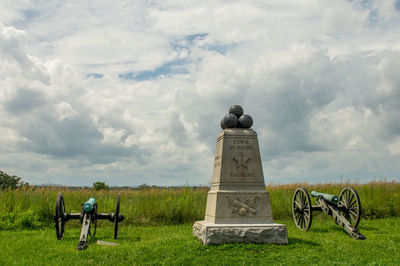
{"points": [[245, 121], [236, 110], [236, 118], [230, 121], [222, 123]]}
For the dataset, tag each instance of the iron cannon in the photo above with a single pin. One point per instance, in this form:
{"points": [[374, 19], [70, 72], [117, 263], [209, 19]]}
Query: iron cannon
{"points": [[328, 197], [345, 209], [88, 217]]}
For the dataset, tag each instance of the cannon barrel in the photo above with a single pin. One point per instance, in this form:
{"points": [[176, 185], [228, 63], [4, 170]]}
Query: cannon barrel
{"points": [[328, 197], [88, 205]]}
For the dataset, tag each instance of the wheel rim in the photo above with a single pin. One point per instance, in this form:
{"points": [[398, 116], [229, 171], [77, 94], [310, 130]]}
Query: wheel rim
{"points": [[350, 206], [116, 217], [301, 207], [59, 217], [95, 220]]}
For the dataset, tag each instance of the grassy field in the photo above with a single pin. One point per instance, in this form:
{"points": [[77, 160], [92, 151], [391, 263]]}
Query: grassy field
{"points": [[158, 229], [324, 244], [34, 207]]}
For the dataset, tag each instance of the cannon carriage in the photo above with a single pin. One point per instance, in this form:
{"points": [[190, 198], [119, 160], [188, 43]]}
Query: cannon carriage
{"points": [[88, 218], [345, 209]]}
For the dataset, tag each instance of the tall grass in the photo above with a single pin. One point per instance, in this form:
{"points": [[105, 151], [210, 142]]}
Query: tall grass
{"points": [[32, 207], [378, 199]]}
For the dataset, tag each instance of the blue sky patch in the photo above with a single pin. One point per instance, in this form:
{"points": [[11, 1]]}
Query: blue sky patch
{"points": [[193, 37], [222, 49], [171, 68], [95, 75], [190, 41]]}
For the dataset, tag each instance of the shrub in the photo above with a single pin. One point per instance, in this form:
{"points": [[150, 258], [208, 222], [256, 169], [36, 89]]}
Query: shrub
{"points": [[100, 186], [27, 219]]}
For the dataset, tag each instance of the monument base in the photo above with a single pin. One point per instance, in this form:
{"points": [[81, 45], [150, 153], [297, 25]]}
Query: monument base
{"points": [[213, 234]]}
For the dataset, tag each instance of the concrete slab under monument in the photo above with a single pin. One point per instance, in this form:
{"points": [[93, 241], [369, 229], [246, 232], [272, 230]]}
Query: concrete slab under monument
{"points": [[238, 205], [214, 234]]}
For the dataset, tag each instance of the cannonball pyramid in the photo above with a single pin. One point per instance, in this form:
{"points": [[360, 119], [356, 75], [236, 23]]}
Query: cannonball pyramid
{"points": [[236, 118]]}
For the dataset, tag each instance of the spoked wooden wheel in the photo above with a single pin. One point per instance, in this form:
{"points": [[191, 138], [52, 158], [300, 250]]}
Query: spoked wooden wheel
{"points": [[301, 207], [350, 206], [59, 217], [94, 221], [116, 218]]}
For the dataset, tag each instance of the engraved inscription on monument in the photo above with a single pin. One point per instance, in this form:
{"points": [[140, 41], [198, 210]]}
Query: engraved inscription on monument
{"points": [[240, 145], [241, 161], [249, 206], [217, 161]]}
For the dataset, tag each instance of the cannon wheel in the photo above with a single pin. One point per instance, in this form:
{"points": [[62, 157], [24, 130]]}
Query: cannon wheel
{"points": [[350, 206], [301, 207], [94, 221], [59, 216], [116, 220]]}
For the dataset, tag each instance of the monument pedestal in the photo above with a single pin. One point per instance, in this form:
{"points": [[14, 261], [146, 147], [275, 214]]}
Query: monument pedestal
{"points": [[213, 234], [238, 206]]}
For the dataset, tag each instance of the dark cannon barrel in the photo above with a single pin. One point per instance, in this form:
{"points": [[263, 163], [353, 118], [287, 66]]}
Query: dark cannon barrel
{"points": [[88, 205], [328, 197]]}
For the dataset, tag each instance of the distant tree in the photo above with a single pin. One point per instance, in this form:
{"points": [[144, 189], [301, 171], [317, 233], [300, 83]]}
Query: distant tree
{"points": [[143, 186], [9, 182], [100, 186]]}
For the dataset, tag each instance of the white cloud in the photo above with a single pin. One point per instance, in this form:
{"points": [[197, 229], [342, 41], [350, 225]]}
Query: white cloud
{"points": [[320, 80], [65, 110], [119, 49], [344, 129]]}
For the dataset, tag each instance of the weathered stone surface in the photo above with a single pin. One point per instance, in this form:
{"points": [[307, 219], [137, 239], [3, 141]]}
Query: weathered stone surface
{"points": [[214, 234], [238, 205], [238, 192], [237, 162]]}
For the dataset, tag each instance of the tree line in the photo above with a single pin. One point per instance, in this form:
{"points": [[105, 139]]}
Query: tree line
{"points": [[10, 181]]}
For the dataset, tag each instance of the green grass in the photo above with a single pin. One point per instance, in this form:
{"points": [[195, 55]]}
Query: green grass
{"points": [[158, 229], [324, 244], [34, 207]]}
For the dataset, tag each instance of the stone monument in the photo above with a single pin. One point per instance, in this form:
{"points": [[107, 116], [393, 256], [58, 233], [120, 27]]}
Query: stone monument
{"points": [[238, 206]]}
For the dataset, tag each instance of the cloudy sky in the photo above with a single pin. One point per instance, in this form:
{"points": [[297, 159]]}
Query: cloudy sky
{"points": [[132, 92]]}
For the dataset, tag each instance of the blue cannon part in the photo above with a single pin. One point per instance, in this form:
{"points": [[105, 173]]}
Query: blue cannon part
{"points": [[88, 205], [328, 197]]}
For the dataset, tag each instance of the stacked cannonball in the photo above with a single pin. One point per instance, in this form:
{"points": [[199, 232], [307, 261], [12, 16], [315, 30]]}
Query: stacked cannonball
{"points": [[236, 118]]}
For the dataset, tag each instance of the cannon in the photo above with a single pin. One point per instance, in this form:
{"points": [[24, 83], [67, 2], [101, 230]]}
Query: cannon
{"points": [[87, 216], [345, 209]]}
